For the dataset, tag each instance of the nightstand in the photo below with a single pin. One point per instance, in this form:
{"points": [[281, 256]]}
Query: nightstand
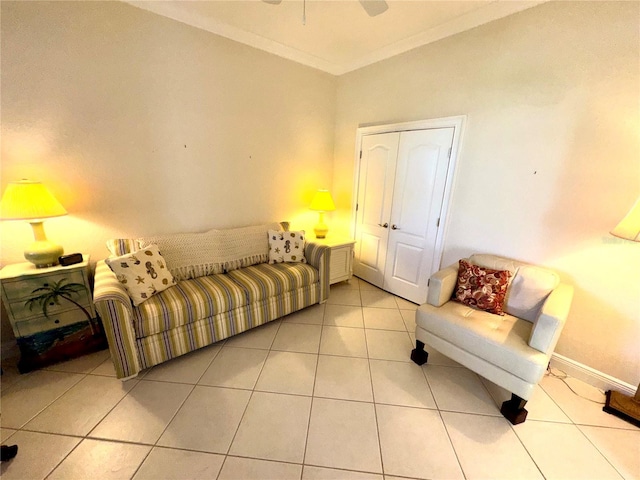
{"points": [[342, 250], [51, 312]]}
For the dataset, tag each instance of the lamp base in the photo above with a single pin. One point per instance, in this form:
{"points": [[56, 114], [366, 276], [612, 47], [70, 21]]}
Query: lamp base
{"points": [[43, 253], [623, 406], [321, 231]]}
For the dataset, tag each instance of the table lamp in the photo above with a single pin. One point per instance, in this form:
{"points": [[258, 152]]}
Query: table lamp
{"points": [[617, 403], [31, 201], [322, 202]]}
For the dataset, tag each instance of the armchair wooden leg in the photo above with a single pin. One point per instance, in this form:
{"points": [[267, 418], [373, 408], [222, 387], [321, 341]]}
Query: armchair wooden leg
{"points": [[418, 354], [513, 410]]}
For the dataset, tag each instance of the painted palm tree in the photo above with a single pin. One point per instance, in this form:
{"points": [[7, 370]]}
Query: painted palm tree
{"points": [[52, 294]]}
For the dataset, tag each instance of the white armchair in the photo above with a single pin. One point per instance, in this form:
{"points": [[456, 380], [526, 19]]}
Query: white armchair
{"points": [[510, 350]]}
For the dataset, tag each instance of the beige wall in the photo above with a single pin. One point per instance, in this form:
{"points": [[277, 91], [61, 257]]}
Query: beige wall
{"points": [[550, 159], [142, 125]]}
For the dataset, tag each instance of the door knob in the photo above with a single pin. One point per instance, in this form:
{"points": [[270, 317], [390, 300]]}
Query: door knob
{"points": [[386, 225], [395, 227]]}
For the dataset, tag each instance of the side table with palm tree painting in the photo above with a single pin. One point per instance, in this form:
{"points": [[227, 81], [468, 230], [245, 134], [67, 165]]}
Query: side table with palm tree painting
{"points": [[51, 312]]}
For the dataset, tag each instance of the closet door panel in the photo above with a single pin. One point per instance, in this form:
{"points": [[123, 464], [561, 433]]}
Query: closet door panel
{"points": [[421, 172], [375, 195]]}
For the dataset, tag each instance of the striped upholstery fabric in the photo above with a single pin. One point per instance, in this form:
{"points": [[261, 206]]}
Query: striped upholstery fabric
{"points": [[121, 246], [264, 280], [112, 302], [163, 346], [198, 312], [186, 302], [319, 257]]}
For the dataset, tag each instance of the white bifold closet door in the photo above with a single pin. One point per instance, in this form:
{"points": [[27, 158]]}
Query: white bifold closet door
{"points": [[401, 185]]}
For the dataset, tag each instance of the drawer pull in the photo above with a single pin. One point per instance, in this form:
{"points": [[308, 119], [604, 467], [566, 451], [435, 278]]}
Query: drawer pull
{"points": [[56, 321]]}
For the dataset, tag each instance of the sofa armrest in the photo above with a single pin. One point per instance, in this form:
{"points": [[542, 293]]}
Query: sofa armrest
{"points": [[441, 286], [319, 256], [551, 319], [116, 311]]}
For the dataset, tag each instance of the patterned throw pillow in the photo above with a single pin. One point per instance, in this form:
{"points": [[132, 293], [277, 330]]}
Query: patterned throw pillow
{"points": [[143, 273], [286, 247], [482, 288]]}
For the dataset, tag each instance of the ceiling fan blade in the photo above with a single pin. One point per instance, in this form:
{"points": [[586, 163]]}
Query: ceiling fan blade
{"points": [[374, 7], [273, 2]]}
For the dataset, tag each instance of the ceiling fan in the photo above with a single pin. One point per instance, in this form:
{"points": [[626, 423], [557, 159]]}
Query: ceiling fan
{"points": [[372, 7]]}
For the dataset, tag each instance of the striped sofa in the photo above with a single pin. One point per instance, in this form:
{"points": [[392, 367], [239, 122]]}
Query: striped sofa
{"points": [[197, 312]]}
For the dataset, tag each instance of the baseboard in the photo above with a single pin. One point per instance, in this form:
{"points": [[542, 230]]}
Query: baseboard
{"points": [[591, 376]]}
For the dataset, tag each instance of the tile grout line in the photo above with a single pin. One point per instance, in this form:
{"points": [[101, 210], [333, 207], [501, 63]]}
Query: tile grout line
{"points": [[313, 391]]}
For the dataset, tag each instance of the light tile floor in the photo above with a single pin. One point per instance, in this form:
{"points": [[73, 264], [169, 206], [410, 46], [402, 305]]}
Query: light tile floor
{"points": [[325, 393]]}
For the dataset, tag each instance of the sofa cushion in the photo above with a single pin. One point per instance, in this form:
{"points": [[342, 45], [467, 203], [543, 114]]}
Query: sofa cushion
{"points": [[143, 273], [501, 340], [482, 288], [186, 302], [264, 280], [286, 247]]}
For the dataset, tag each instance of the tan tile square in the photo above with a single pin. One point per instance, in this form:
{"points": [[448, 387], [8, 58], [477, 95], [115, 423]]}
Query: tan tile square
{"points": [[343, 378], [344, 341], [387, 345], [274, 427], [460, 390], [32, 393], [83, 364], [235, 368], [343, 434], [294, 337], [288, 372], [207, 421], [406, 435], [251, 469], [399, 383], [343, 316], [38, 454], [312, 315], [186, 368], [378, 298], [144, 413], [322, 473], [258, 337], [344, 296], [618, 447], [383, 319], [101, 459], [171, 464], [487, 447], [578, 460], [82, 406]]}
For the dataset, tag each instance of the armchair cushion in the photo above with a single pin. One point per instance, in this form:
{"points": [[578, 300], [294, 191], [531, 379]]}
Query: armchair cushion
{"points": [[499, 339], [482, 288], [529, 287]]}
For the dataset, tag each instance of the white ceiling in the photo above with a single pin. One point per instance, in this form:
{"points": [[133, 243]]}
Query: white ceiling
{"points": [[338, 35]]}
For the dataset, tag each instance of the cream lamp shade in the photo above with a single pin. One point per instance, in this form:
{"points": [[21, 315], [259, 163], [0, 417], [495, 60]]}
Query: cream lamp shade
{"points": [[32, 201], [629, 226], [322, 202], [617, 403]]}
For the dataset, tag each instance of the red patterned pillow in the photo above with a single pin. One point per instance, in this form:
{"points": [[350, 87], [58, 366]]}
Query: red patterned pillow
{"points": [[482, 288]]}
